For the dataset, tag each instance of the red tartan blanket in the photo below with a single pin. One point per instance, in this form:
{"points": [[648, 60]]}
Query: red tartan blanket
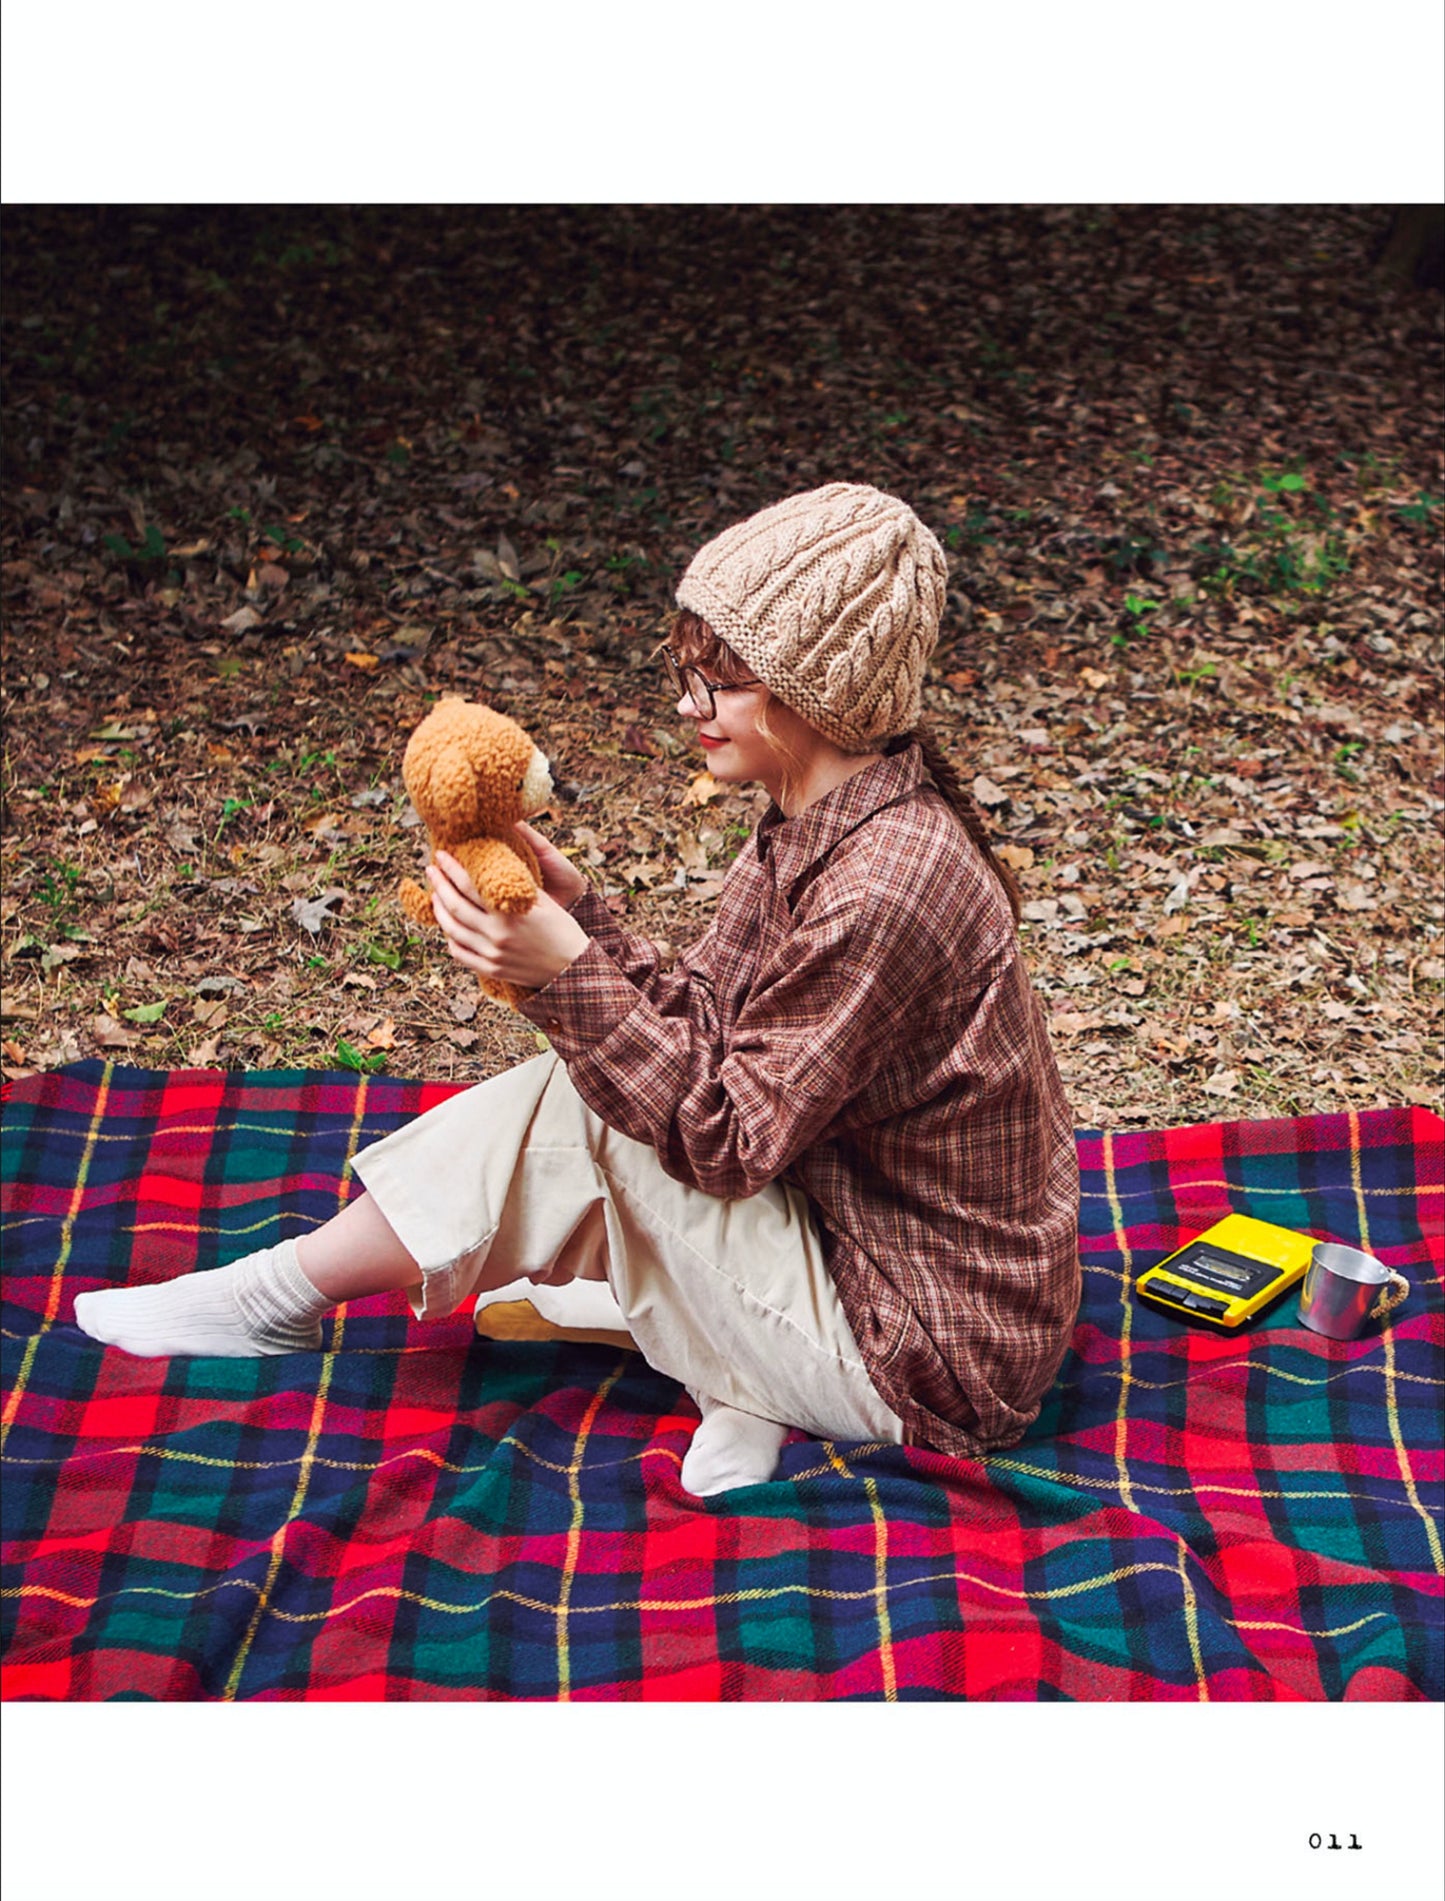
{"points": [[418, 1513]]}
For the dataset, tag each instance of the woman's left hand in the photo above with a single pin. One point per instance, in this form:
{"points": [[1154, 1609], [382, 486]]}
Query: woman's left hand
{"points": [[528, 950]]}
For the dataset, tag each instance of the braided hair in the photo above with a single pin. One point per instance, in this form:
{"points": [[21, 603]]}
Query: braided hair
{"points": [[941, 771]]}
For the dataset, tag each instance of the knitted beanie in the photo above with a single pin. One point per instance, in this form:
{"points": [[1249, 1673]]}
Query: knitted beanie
{"points": [[833, 598]]}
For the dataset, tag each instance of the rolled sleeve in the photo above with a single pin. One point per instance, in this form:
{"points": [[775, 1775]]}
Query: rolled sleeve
{"points": [[729, 1111], [584, 1004]]}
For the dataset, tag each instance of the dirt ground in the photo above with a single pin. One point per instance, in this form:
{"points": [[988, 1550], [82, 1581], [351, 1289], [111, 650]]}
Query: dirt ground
{"points": [[275, 479]]}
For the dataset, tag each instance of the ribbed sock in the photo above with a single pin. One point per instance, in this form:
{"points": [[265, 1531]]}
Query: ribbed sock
{"points": [[261, 1304], [730, 1448]]}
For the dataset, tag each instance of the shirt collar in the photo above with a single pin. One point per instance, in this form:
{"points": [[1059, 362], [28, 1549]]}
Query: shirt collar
{"points": [[793, 845]]}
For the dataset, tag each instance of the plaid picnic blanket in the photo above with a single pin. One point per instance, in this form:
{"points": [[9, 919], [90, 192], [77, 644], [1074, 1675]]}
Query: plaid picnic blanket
{"points": [[414, 1512]]}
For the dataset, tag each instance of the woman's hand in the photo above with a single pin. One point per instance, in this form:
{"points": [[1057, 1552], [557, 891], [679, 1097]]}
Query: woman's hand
{"points": [[528, 950], [561, 880]]}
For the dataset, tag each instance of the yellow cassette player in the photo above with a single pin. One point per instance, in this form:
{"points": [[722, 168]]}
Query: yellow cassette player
{"points": [[1229, 1273]]}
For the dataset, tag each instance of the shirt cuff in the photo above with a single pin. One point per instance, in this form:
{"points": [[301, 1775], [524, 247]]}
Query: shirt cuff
{"points": [[591, 913], [585, 1003]]}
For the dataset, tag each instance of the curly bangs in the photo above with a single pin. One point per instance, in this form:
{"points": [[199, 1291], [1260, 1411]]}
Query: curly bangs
{"points": [[693, 643]]}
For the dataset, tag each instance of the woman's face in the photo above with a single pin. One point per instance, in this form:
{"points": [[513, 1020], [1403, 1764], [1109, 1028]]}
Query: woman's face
{"points": [[736, 751]]}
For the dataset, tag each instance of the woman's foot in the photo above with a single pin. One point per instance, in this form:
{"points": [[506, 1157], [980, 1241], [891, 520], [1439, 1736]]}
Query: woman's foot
{"points": [[260, 1304], [730, 1448]]}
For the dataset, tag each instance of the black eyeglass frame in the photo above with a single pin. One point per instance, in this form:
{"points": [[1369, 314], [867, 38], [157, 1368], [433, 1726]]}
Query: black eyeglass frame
{"points": [[688, 678]]}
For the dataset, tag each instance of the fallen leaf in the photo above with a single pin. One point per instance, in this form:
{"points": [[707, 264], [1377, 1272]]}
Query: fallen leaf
{"points": [[463, 1006], [181, 839], [312, 913], [988, 794], [366, 661], [204, 1054], [112, 1035], [242, 621], [383, 1037], [210, 1013], [1223, 1083], [145, 1012], [703, 789], [13, 1052], [1075, 1022], [1092, 678], [1016, 857]]}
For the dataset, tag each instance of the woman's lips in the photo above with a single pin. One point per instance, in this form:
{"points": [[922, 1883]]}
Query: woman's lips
{"points": [[706, 739]]}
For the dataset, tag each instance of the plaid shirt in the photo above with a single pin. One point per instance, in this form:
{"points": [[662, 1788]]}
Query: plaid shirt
{"points": [[858, 1021]]}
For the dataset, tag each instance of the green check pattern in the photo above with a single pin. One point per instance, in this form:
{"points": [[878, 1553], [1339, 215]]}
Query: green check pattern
{"points": [[417, 1513]]}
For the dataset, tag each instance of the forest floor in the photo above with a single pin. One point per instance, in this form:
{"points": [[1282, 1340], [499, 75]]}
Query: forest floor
{"points": [[274, 479]]}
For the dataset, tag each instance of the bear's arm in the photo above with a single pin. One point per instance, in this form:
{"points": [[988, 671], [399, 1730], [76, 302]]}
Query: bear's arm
{"points": [[502, 880]]}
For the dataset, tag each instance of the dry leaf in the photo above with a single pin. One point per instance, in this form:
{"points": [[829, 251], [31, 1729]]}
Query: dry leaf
{"points": [[703, 789], [383, 1037], [204, 1054], [112, 1035], [312, 913], [242, 621], [988, 794], [1075, 1022], [1223, 1082], [1016, 857], [366, 661]]}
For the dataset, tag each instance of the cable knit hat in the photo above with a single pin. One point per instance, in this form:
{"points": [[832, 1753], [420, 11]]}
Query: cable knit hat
{"points": [[833, 598]]}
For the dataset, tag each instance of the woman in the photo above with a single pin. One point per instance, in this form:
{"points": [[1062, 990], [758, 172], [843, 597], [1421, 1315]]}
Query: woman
{"points": [[824, 1163]]}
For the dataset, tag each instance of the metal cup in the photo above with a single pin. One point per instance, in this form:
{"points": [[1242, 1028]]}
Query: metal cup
{"points": [[1339, 1286]]}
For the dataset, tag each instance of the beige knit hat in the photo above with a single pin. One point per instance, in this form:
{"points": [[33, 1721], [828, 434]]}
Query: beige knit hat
{"points": [[833, 598]]}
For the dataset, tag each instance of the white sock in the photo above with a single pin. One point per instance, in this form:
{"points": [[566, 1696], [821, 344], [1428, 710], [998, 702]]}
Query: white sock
{"points": [[262, 1303], [730, 1448]]}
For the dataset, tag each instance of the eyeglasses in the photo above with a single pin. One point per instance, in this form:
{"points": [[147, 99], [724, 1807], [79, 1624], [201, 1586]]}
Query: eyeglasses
{"points": [[694, 684]]}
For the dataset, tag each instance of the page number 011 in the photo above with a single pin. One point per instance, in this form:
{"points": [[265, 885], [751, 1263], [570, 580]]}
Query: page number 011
{"points": [[1333, 1841]]}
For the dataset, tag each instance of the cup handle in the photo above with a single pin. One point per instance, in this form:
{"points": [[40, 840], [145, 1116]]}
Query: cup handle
{"points": [[1388, 1302]]}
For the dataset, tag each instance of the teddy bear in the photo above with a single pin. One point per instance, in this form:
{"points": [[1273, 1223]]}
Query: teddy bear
{"points": [[472, 773]]}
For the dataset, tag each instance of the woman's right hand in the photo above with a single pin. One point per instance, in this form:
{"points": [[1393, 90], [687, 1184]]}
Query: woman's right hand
{"points": [[561, 880]]}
